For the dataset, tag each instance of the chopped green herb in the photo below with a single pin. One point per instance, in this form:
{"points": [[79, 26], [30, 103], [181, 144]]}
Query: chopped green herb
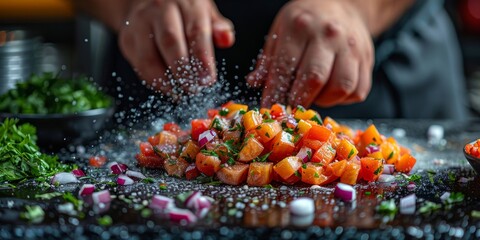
{"points": [[241, 112], [268, 186], [289, 130], [429, 207], [20, 157], [209, 152], [317, 119], [34, 214], [296, 137], [266, 134], [315, 175], [267, 115], [297, 173], [232, 148], [378, 170], [216, 124], [390, 155], [223, 112], [309, 154], [368, 193], [48, 196], [268, 120], [146, 212], [105, 221], [455, 197], [231, 161], [262, 158], [388, 208], [451, 177], [430, 176], [351, 153], [475, 214], [300, 108], [148, 180], [304, 166], [68, 196], [162, 186]]}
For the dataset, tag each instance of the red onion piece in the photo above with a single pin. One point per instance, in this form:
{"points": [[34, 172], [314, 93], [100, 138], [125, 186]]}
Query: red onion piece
{"points": [[117, 168], [101, 197], [203, 206], [372, 149], [124, 180], [388, 169], [407, 204], [64, 178], [181, 215], [86, 189], [411, 187], [304, 154], [191, 201], [302, 207], [78, 173], [161, 203], [385, 178], [206, 137], [345, 192], [135, 174]]}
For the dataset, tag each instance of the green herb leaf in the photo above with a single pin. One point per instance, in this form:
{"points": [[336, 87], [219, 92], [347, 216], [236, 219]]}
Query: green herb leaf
{"points": [[223, 112], [317, 119], [34, 214], [105, 221], [388, 208], [350, 154], [429, 207], [48, 196]]}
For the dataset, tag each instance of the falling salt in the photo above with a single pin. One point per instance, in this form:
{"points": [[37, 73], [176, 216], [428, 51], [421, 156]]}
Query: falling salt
{"points": [[85, 40]]}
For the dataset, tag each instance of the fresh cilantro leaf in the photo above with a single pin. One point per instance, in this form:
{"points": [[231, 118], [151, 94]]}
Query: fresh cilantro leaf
{"points": [[300, 108], [231, 162], [209, 152], [34, 214], [262, 158], [317, 119], [388, 208], [223, 112], [48, 196], [429, 207], [350, 154], [390, 155], [105, 221]]}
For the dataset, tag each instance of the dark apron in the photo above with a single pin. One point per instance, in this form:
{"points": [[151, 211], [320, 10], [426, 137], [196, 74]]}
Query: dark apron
{"points": [[418, 72]]}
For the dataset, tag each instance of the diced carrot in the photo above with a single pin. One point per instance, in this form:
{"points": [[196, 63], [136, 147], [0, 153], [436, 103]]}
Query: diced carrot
{"points": [[206, 164], [259, 173], [281, 146], [288, 167], [192, 172], [199, 126], [233, 175], [190, 151], [338, 167], [251, 149], [405, 163], [251, 120], [175, 166], [324, 155], [211, 113], [268, 130], [346, 150], [371, 135], [371, 168], [313, 174], [350, 173]]}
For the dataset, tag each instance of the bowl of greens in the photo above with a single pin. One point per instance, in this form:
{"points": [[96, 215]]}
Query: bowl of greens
{"points": [[64, 111]]}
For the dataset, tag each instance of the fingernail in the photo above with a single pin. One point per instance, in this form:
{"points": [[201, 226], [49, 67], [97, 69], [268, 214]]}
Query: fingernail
{"points": [[222, 26]]}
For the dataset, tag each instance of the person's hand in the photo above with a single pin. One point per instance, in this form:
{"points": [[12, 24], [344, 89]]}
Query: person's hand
{"points": [[169, 43], [317, 52]]}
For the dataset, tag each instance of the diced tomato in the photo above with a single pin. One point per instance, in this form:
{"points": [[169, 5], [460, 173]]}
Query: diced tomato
{"points": [[97, 161], [371, 135], [233, 175], [289, 181], [232, 135], [260, 173], [277, 111], [288, 167], [172, 127], [165, 137], [324, 155], [199, 126], [175, 166], [192, 172], [149, 161], [350, 173], [312, 173], [153, 140], [405, 163], [147, 149], [206, 164], [190, 151], [338, 167], [371, 168], [211, 113], [281, 146], [251, 149]]}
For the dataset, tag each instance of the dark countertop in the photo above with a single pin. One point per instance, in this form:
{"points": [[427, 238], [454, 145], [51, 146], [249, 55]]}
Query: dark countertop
{"points": [[257, 212]]}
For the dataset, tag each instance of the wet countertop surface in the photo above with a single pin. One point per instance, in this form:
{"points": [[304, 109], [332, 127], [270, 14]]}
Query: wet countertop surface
{"points": [[259, 212]]}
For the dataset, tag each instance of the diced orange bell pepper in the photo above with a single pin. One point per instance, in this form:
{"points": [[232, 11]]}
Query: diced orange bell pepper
{"points": [[405, 163], [313, 174], [277, 111], [320, 133], [324, 155], [235, 107], [371, 168], [233, 175], [288, 167], [390, 151], [260, 173], [371, 135], [346, 150], [350, 173], [303, 127], [328, 121], [302, 113], [338, 167]]}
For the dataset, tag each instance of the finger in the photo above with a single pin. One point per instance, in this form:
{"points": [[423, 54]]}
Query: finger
{"points": [[312, 75], [198, 30], [364, 85], [283, 66], [170, 39], [258, 76], [342, 82], [223, 30]]}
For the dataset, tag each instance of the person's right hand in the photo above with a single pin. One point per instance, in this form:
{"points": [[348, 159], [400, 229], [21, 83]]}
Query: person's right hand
{"points": [[169, 43]]}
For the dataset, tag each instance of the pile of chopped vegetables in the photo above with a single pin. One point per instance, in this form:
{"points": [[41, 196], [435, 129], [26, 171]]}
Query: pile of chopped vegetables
{"points": [[20, 157], [472, 149], [44, 94], [239, 145]]}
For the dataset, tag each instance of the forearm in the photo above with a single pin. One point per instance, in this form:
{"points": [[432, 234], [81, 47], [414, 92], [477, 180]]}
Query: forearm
{"points": [[112, 13], [379, 15]]}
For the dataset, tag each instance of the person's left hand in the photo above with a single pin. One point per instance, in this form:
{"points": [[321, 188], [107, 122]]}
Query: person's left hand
{"points": [[317, 52]]}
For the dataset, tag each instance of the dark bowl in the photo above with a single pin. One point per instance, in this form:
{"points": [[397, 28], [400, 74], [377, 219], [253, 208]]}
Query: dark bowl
{"points": [[55, 131], [474, 162]]}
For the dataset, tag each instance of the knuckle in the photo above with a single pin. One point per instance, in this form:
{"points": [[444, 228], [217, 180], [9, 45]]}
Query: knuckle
{"points": [[302, 20], [195, 30], [317, 75], [346, 85], [168, 37]]}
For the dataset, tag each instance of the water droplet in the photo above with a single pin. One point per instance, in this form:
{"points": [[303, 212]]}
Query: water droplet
{"points": [[85, 40]]}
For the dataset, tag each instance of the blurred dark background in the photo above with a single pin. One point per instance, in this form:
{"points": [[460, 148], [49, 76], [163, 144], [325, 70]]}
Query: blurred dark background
{"points": [[76, 45]]}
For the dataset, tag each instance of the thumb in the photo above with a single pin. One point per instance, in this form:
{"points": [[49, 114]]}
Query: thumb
{"points": [[222, 30]]}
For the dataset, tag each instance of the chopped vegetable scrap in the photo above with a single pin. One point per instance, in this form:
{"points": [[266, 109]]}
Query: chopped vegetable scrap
{"points": [[472, 149], [237, 145]]}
